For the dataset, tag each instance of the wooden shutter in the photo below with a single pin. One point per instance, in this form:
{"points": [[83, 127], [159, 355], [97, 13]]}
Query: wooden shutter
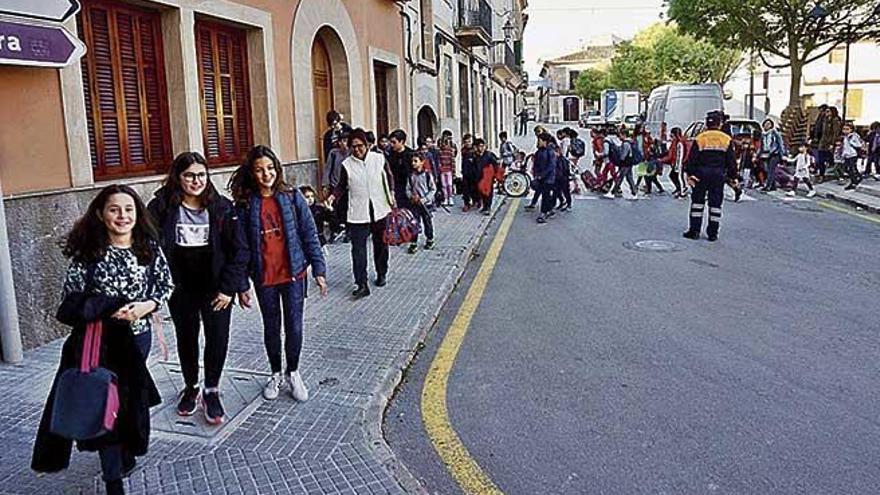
{"points": [[124, 87], [223, 81]]}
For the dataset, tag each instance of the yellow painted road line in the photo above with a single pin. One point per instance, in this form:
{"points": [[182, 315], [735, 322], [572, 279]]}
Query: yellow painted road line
{"points": [[841, 209], [435, 415]]}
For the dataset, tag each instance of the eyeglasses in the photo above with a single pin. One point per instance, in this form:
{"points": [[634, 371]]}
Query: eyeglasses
{"points": [[359, 146], [192, 177]]}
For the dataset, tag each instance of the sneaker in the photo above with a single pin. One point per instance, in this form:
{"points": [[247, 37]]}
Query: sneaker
{"points": [[486, 212], [691, 235], [790, 193], [214, 412], [712, 237], [737, 195], [189, 401], [811, 194], [273, 386], [381, 281], [551, 214], [297, 388], [361, 291], [429, 245], [609, 195], [465, 209], [413, 248], [849, 187], [541, 219]]}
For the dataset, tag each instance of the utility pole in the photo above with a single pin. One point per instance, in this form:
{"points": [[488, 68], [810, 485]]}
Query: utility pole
{"points": [[846, 74], [10, 333], [752, 85]]}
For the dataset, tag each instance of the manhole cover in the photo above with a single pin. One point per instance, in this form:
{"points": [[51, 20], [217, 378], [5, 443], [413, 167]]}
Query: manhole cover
{"points": [[652, 246], [241, 389]]}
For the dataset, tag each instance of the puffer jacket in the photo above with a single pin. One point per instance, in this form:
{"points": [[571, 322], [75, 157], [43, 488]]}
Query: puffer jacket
{"points": [[300, 233]]}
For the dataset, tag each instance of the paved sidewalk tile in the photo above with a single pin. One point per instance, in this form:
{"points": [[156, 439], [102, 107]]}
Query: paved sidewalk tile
{"points": [[352, 356], [866, 196]]}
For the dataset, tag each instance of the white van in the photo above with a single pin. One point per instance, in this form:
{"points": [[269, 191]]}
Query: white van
{"points": [[681, 104]]}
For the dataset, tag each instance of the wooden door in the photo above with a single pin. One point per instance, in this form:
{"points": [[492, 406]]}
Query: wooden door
{"points": [[380, 74], [322, 97]]}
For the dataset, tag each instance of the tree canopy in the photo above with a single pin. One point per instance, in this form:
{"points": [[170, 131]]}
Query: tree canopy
{"points": [[789, 33], [661, 54]]}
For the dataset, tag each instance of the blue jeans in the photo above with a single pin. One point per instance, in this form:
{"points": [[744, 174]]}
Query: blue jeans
{"points": [[291, 298]]}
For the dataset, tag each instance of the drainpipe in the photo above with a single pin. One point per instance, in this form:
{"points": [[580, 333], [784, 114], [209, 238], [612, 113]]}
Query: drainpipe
{"points": [[10, 334], [406, 21]]}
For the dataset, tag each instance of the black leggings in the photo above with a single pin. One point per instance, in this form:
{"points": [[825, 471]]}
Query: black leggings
{"points": [[675, 177], [563, 192]]}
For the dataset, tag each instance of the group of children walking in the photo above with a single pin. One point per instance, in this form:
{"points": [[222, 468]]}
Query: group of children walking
{"points": [[196, 251]]}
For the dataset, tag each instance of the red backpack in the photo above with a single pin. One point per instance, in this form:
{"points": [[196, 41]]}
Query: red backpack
{"points": [[401, 227]]}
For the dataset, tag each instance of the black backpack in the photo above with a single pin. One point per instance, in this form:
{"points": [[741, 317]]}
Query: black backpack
{"points": [[614, 152], [578, 147]]}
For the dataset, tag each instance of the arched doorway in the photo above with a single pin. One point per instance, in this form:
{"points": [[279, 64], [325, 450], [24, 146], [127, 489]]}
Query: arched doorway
{"points": [[330, 87], [427, 122], [322, 97]]}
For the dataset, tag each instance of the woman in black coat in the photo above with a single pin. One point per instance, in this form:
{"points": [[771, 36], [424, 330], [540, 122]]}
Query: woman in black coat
{"points": [[118, 275]]}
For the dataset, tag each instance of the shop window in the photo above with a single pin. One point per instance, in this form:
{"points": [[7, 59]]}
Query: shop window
{"points": [[124, 86], [225, 94]]}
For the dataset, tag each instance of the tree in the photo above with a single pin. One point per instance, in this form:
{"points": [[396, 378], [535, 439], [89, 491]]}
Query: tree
{"points": [[632, 68], [681, 58], [590, 84], [796, 32]]}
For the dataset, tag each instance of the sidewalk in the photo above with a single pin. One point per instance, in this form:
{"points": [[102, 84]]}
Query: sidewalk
{"points": [[353, 357], [866, 196]]}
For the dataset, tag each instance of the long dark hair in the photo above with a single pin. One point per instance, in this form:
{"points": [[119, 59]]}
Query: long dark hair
{"points": [[172, 182], [87, 241], [243, 185]]}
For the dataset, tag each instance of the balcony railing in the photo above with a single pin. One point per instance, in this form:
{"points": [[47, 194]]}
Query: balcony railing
{"points": [[505, 63], [475, 22]]}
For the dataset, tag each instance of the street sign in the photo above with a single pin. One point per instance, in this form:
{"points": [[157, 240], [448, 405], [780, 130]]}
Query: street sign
{"points": [[46, 10], [38, 45]]}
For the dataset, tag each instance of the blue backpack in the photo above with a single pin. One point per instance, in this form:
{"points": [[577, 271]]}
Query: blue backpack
{"points": [[614, 152], [636, 156]]}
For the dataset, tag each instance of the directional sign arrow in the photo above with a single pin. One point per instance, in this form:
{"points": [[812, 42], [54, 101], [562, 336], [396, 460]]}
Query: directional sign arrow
{"points": [[38, 45], [47, 10]]}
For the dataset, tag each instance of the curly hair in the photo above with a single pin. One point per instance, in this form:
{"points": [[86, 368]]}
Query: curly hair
{"points": [[243, 186], [88, 240]]}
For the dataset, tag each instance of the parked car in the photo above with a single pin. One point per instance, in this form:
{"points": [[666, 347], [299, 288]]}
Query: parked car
{"points": [[591, 119], [631, 121], [740, 129]]}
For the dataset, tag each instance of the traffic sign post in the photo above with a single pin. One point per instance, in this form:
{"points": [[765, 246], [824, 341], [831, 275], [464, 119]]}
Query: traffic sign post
{"points": [[38, 45], [44, 10]]}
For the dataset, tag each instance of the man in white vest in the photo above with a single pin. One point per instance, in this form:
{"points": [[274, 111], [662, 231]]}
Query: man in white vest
{"points": [[367, 182]]}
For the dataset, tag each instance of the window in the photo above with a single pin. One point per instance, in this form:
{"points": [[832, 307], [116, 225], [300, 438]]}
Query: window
{"points": [[448, 90], [837, 56], [427, 15], [124, 86], [573, 79], [223, 81], [380, 74]]}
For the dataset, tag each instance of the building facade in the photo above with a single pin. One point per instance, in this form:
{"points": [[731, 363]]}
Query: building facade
{"points": [[217, 76], [558, 100], [822, 83], [466, 65]]}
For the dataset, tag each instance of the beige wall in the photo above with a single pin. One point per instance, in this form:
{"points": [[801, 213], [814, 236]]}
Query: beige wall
{"points": [[33, 147]]}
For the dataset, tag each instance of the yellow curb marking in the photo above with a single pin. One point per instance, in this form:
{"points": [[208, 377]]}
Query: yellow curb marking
{"points": [[848, 212], [435, 415]]}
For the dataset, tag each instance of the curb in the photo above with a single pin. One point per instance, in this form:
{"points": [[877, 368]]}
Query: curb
{"points": [[850, 202], [375, 412]]}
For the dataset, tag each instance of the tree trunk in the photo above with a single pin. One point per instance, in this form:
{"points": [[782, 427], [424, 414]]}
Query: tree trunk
{"points": [[797, 71]]}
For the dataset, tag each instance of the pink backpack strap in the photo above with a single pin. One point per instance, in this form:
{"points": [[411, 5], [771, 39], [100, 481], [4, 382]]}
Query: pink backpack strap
{"points": [[86, 360], [96, 343]]}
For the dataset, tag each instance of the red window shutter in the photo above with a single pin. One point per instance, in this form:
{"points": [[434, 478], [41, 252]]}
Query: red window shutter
{"points": [[226, 115], [124, 87]]}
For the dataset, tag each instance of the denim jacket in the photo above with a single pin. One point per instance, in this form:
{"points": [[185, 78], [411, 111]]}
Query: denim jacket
{"points": [[300, 234]]}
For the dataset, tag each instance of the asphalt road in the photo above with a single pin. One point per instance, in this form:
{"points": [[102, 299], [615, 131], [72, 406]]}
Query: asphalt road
{"points": [[745, 366]]}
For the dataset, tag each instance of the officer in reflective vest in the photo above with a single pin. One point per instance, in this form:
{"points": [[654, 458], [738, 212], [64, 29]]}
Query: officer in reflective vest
{"points": [[711, 162]]}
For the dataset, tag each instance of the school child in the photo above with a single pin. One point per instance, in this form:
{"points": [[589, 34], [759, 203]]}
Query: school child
{"points": [[321, 212], [447, 155], [803, 162], [873, 141], [421, 190], [283, 245], [207, 251]]}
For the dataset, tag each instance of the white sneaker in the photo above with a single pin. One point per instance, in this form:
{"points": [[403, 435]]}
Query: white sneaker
{"points": [[811, 194], [634, 196], [273, 386], [790, 193], [297, 388], [610, 195]]}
